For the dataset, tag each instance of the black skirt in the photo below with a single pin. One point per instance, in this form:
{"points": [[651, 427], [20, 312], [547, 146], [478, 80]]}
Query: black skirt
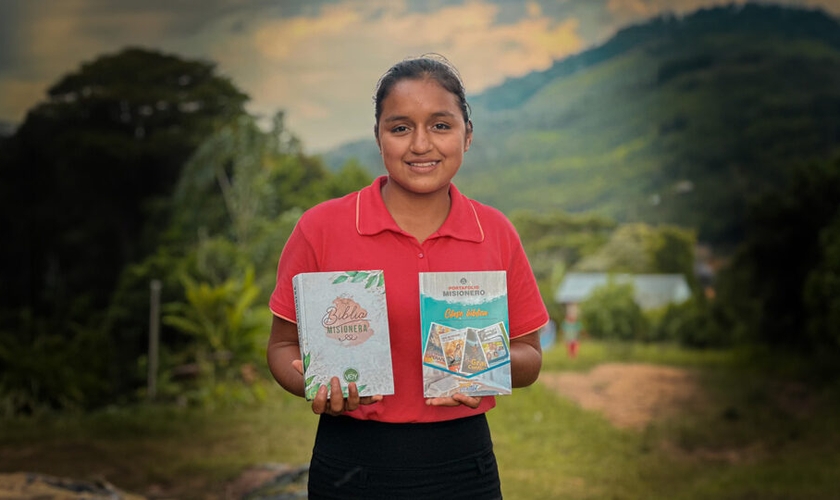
{"points": [[370, 460]]}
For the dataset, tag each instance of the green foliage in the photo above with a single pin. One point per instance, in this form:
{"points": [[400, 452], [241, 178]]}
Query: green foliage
{"points": [[84, 182], [822, 289], [690, 324], [673, 251], [611, 313], [240, 174], [554, 241], [89, 166], [678, 120], [51, 371], [143, 166], [754, 435], [221, 318], [629, 250], [776, 279], [228, 328]]}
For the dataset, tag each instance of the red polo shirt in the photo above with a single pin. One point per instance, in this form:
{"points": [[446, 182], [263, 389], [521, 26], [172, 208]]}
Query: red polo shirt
{"points": [[357, 232]]}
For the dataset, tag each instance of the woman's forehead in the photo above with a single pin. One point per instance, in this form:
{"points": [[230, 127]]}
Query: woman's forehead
{"points": [[425, 94]]}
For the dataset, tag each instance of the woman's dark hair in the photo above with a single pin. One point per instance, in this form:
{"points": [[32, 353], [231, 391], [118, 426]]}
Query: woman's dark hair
{"points": [[433, 66]]}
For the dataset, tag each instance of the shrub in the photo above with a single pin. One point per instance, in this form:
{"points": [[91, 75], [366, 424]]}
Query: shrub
{"points": [[611, 313]]}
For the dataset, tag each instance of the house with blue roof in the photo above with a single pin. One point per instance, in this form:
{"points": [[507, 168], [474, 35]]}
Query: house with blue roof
{"points": [[651, 291]]}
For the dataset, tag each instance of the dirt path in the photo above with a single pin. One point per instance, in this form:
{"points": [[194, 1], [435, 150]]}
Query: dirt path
{"points": [[629, 395]]}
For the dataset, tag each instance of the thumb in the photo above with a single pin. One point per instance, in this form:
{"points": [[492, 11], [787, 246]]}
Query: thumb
{"points": [[298, 365]]}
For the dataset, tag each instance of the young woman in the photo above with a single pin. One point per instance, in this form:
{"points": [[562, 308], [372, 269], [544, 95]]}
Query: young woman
{"points": [[409, 221]]}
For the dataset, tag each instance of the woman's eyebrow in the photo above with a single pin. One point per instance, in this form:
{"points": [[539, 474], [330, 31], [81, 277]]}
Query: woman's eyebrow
{"points": [[437, 114], [395, 118]]}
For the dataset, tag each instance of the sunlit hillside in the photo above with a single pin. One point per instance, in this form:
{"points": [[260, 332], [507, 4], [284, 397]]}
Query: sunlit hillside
{"points": [[676, 120]]}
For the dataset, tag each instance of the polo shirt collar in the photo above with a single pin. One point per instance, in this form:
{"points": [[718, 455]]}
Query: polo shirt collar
{"points": [[372, 217]]}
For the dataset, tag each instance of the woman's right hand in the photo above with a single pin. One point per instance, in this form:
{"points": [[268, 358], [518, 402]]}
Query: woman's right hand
{"points": [[336, 405]]}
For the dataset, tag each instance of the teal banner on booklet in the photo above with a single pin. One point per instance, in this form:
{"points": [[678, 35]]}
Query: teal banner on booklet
{"points": [[465, 336]]}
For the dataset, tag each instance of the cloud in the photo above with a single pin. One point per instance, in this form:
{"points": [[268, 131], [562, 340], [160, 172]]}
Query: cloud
{"points": [[633, 10], [316, 59], [830, 6], [51, 39], [17, 97], [322, 68]]}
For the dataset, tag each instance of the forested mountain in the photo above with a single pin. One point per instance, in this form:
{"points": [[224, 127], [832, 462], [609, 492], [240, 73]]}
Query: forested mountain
{"points": [[680, 119]]}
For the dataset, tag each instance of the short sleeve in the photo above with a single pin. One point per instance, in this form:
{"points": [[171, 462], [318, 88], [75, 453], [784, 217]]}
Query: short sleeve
{"points": [[297, 257], [526, 309]]}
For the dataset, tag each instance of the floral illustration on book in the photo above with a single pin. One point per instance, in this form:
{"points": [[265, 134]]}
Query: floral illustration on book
{"points": [[343, 331]]}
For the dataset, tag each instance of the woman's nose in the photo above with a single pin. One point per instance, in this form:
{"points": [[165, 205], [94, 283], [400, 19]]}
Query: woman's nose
{"points": [[420, 141]]}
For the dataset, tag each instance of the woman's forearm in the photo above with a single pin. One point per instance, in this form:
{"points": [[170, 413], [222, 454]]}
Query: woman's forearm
{"points": [[525, 359], [283, 349]]}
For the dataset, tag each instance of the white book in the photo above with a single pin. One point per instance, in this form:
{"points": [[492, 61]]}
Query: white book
{"points": [[342, 320]]}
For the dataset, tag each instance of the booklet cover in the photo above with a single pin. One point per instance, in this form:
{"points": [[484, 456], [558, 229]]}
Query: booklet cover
{"points": [[465, 339], [343, 331]]}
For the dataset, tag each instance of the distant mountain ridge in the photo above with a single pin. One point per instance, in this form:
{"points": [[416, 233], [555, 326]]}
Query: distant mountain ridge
{"points": [[747, 18], [679, 120]]}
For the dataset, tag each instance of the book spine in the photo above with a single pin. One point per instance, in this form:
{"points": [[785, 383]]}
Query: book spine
{"points": [[297, 288]]}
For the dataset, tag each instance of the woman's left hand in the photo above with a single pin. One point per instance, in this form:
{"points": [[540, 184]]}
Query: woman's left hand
{"points": [[455, 400]]}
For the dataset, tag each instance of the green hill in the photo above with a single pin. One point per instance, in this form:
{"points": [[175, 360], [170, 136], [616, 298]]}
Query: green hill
{"points": [[680, 119]]}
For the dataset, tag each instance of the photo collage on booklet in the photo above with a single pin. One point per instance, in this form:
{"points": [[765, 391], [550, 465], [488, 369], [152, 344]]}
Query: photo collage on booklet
{"points": [[466, 345]]}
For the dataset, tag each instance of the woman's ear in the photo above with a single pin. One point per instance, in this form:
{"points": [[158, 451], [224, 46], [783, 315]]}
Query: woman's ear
{"points": [[469, 137]]}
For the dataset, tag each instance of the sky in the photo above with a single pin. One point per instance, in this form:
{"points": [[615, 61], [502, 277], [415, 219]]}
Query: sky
{"points": [[316, 60]]}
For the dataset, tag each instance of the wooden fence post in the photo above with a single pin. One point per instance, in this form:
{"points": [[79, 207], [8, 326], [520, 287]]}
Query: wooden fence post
{"points": [[154, 337]]}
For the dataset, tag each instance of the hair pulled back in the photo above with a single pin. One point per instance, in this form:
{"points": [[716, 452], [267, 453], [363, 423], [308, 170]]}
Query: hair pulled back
{"points": [[431, 66]]}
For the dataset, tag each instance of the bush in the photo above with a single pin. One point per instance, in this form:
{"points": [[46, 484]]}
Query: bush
{"points": [[47, 371], [690, 324], [611, 313]]}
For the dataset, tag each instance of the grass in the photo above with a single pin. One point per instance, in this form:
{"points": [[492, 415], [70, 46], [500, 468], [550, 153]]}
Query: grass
{"points": [[759, 436]]}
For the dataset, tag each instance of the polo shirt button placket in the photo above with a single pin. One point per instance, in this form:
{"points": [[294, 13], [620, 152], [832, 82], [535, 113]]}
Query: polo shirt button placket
{"points": [[420, 255]]}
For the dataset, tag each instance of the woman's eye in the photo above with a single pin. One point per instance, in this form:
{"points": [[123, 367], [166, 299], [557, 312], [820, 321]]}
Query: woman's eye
{"points": [[440, 126], [399, 129]]}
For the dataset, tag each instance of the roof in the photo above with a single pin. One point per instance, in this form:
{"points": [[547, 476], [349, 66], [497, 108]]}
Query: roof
{"points": [[651, 290]]}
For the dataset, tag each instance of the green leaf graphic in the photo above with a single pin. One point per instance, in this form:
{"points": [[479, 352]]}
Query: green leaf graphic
{"points": [[312, 391], [371, 281], [359, 277]]}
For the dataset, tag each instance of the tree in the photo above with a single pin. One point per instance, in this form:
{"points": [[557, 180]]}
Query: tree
{"points": [[237, 200], [555, 241], [781, 278], [85, 181], [640, 248], [87, 170], [822, 290]]}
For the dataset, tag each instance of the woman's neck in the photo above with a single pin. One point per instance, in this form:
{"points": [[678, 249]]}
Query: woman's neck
{"points": [[419, 215]]}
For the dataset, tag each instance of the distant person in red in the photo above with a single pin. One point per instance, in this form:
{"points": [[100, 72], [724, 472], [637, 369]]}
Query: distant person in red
{"points": [[571, 329]]}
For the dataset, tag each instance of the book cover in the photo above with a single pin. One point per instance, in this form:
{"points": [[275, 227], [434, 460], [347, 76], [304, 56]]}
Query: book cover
{"points": [[343, 331], [464, 330]]}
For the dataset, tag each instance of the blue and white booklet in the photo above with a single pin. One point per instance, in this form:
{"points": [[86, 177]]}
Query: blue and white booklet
{"points": [[464, 329]]}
